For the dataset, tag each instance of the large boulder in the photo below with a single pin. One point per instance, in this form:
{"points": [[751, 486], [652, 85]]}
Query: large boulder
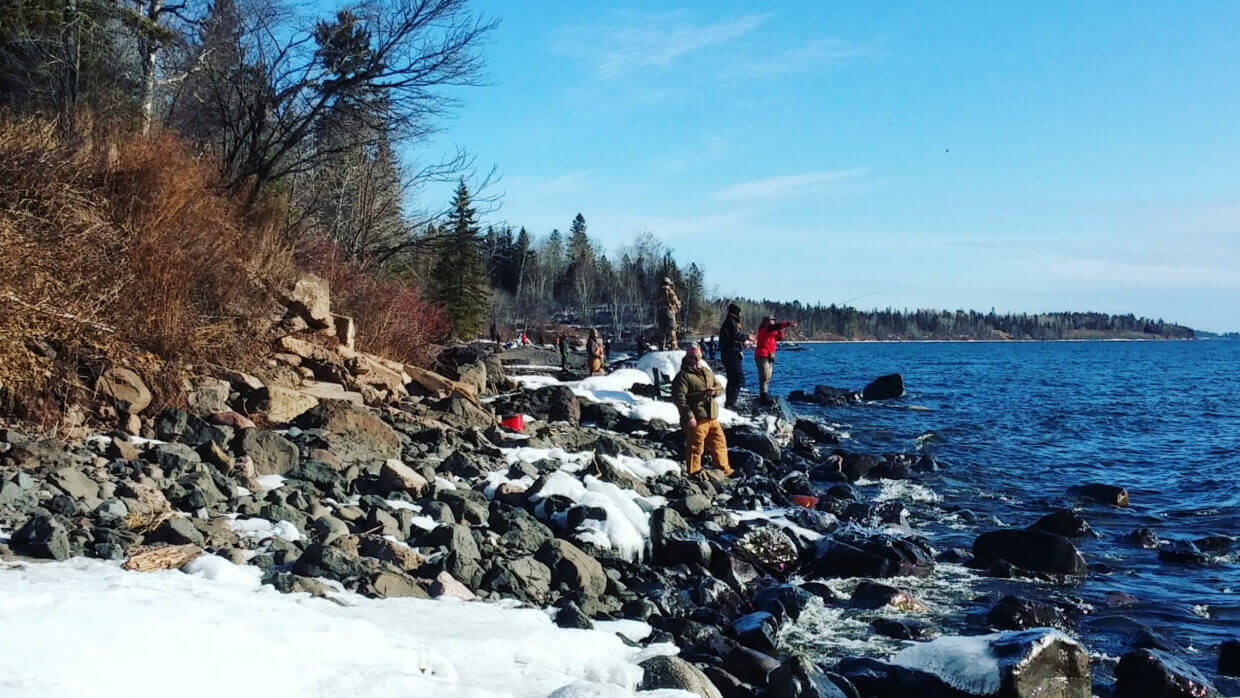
{"points": [[1151, 673], [1016, 613], [396, 476], [886, 387], [124, 388], [674, 541], [270, 453], [310, 300], [280, 404], [675, 673], [561, 404], [353, 433], [1038, 552], [573, 568], [1026, 664], [1063, 522], [856, 554], [463, 560]]}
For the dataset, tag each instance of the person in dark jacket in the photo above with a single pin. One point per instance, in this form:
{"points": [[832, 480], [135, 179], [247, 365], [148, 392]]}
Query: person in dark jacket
{"points": [[694, 391], [562, 343], [731, 350], [769, 335]]}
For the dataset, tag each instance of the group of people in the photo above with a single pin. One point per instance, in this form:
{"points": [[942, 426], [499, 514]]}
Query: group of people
{"points": [[695, 388]]}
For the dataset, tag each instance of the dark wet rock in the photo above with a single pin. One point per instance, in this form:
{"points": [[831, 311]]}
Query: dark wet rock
{"points": [[1031, 551], [461, 465], [1182, 552], [730, 568], [1112, 495], [1229, 657], [887, 470], [1063, 522], [871, 596], [857, 466], [903, 628], [756, 630], [1028, 664], [676, 673], [756, 440], [799, 678], [926, 464], [729, 686], [1149, 673], [769, 549], [855, 554], [796, 482], [1143, 537], [1016, 613], [570, 615], [819, 432], [42, 537], [559, 404], [784, 601], [894, 513], [697, 637], [639, 609], [714, 595], [828, 395], [886, 387], [572, 567], [750, 665]]}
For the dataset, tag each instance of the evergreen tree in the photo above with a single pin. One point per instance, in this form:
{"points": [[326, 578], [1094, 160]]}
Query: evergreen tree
{"points": [[460, 277]]}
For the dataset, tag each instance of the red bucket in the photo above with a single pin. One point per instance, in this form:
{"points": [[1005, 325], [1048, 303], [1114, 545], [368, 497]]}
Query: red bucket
{"points": [[515, 423], [805, 500]]}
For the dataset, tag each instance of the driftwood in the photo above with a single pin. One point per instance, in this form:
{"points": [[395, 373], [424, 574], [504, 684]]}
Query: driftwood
{"points": [[438, 385], [167, 557]]}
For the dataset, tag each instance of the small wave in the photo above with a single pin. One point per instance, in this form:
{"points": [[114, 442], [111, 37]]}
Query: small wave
{"points": [[906, 491], [1200, 610]]}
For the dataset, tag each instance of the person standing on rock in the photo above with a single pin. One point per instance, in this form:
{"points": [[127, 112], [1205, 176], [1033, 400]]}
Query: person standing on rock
{"points": [[769, 334], [594, 349], [694, 390], [561, 343], [668, 304], [732, 351]]}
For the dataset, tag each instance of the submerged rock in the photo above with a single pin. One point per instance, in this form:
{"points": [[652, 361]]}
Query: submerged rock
{"points": [[853, 554], [1103, 493], [1016, 613], [1063, 522]]}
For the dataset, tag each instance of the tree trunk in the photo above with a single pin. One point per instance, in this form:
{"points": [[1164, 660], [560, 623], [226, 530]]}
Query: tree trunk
{"points": [[150, 51]]}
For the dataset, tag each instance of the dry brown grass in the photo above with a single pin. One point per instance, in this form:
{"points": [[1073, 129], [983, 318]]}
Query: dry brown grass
{"points": [[120, 250]]}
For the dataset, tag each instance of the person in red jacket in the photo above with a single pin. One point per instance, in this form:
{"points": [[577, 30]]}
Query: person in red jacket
{"points": [[769, 334]]}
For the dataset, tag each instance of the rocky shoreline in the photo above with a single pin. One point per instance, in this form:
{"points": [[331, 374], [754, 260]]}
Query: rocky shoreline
{"points": [[420, 493]]}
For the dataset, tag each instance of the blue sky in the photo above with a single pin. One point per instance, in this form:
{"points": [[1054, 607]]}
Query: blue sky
{"points": [[1023, 156]]}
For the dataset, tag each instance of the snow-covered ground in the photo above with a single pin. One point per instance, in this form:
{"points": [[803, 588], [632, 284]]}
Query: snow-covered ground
{"points": [[613, 389], [88, 628]]}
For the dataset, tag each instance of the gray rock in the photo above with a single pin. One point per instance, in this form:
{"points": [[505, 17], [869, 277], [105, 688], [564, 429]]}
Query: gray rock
{"points": [[111, 510], [353, 433], [271, 453], [125, 389], [573, 568], [176, 531], [41, 536], [676, 673]]}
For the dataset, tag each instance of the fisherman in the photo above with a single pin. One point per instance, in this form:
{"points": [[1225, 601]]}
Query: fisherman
{"points": [[732, 350], [769, 334], [594, 350], [694, 390], [668, 305]]}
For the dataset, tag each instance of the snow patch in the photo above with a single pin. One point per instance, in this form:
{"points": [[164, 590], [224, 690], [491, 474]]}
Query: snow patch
{"points": [[261, 642], [255, 529]]}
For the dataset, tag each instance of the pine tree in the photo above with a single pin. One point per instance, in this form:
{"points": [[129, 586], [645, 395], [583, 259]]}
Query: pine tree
{"points": [[460, 277]]}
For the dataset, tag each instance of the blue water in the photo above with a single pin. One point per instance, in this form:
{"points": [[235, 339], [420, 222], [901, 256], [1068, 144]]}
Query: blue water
{"points": [[1020, 423]]}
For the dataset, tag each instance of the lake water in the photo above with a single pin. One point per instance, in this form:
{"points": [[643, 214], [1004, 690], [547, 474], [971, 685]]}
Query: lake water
{"points": [[1018, 424]]}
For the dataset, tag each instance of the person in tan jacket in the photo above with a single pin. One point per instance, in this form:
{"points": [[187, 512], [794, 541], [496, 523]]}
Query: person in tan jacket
{"points": [[694, 390], [668, 305]]}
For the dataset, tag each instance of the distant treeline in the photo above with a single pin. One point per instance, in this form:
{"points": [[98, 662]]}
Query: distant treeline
{"points": [[844, 322]]}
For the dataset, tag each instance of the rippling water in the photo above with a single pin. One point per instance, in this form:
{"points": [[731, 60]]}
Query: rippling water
{"points": [[1020, 423]]}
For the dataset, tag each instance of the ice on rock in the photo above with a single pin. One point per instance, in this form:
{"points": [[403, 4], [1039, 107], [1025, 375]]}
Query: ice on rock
{"points": [[964, 663], [667, 363], [262, 643]]}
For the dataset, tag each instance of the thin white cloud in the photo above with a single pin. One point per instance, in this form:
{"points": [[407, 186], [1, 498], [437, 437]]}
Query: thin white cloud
{"points": [[784, 186], [646, 41], [1143, 275], [812, 55]]}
